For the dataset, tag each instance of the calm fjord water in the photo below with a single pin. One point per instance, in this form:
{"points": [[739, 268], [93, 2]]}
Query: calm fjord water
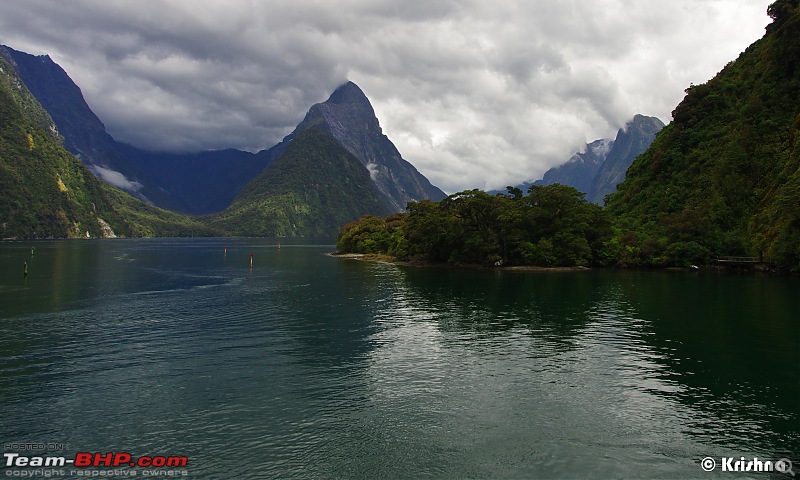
{"points": [[308, 366]]}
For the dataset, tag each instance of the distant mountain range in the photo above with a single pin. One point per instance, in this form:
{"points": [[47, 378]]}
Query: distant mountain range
{"points": [[631, 141], [602, 164], [210, 182], [581, 169], [723, 179], [207, 182]]}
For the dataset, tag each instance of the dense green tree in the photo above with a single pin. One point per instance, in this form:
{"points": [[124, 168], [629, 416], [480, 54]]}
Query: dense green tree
{"points": [[372, 234], [553, 226]]}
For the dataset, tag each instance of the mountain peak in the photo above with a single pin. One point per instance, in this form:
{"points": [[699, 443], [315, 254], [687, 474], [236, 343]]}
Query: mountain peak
{"points": [[314, 188], [632, 139], [347, 92], [12, 55], [349, 117], [644, 121], [602, 165], [347, 110]]}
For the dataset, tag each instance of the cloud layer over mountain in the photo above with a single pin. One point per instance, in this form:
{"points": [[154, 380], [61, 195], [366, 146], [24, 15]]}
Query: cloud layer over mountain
{"points": [[473, 93]]}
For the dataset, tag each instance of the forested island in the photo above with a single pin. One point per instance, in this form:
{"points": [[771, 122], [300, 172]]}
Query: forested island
{"points": [[552, 226]]}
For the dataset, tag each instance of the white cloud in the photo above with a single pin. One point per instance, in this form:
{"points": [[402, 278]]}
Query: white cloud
{"points": [[473, 93], [115, 178]]}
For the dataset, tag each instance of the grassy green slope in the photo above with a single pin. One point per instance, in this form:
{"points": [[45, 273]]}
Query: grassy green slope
{"points": [[723, 178], [145, 220], [313, 189]]}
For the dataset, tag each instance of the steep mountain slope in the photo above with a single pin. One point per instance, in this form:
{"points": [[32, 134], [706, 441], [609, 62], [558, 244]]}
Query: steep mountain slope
{"points": [[84, 134], [580, 170], [631, 141], [195, 183], [348, 116], [46, 192], [313, 188], [723, 178]]}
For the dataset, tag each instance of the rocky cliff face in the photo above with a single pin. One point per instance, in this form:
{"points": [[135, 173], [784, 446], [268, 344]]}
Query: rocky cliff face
{"points": [[348, 116], [581, 169], [631, 141], [602, 165]]}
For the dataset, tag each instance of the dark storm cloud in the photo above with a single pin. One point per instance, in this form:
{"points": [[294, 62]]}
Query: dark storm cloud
{"points": [[473, 93]]}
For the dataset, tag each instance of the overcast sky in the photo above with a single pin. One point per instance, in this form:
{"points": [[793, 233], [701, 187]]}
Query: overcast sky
{"points": [[474, 93]]}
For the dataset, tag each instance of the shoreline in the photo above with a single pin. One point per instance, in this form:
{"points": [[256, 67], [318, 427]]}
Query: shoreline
{"points": [[388, 259], [383, 258]]}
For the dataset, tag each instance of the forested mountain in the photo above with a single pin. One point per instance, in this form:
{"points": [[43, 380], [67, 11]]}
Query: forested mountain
{"points": [[724, 177], [45, 191], [349, 118], [312, 189], [84, 135]]}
